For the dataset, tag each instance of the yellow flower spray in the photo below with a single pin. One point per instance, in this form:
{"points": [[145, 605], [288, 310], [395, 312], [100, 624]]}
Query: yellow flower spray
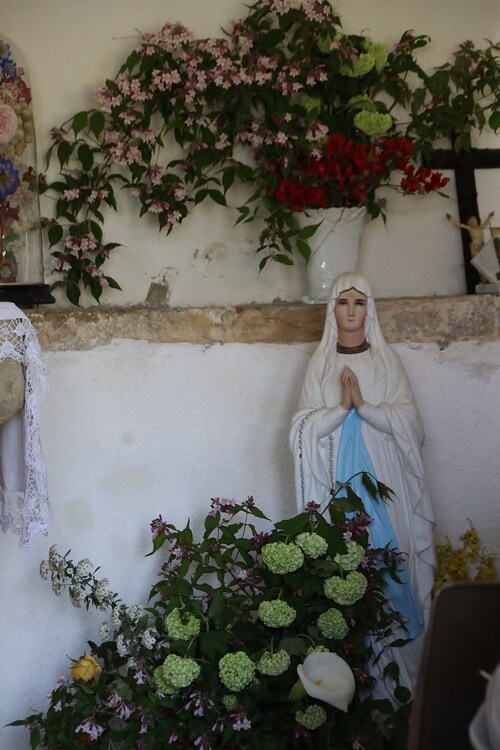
{"points": [[467, 561]]}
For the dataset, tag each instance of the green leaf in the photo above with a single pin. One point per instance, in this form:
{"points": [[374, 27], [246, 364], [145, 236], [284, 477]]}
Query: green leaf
{"points": [[211, 522], [186, 535], [96, 230], [97, 122], [308, 231], [217, 607], [298, 692], [462, 143], [79, 122], [351, 504], [35, 738], [494, 120], [113, 284], [304, 249], [213, 643], [64, 151], [257, 512], [200, 196], [284, 259], [48, 157], [73, 294], [228, 179], [86, 157], [369, 485], [294, 646], [218, 197], [55, 234]]}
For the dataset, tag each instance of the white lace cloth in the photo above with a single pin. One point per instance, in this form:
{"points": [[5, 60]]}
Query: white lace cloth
{"points": [[23, 489]]}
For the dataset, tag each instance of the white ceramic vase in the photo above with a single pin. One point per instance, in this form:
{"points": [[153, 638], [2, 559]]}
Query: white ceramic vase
{"points": [[334, 245]]}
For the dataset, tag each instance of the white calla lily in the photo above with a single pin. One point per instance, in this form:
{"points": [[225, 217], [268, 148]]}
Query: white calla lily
{"points": [[328, 678]]}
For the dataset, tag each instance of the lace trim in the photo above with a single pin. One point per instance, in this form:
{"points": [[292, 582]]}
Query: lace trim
{"points": [[26, 513]]}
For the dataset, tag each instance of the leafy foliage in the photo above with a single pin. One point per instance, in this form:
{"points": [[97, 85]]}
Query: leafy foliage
{"points": [[185, 119], [199, 666]]}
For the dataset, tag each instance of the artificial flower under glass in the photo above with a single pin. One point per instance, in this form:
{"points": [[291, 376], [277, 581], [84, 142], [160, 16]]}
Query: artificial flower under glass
{"points": [[20, 235]]}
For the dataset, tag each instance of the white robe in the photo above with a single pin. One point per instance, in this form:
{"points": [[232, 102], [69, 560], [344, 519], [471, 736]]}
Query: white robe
{"points": [[393, 435]]}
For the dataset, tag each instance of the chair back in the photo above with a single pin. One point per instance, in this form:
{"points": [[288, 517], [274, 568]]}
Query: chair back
{"points": [[463, 639]]}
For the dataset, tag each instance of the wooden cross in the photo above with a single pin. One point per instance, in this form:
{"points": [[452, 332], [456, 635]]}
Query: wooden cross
{"points": [[464, 165]]}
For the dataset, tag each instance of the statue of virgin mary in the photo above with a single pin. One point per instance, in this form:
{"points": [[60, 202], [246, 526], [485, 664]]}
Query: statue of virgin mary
{"points": [[357, 413]]}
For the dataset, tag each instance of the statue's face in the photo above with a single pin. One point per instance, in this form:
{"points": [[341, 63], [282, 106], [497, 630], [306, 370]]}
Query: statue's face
{"points": [[350, 310]]}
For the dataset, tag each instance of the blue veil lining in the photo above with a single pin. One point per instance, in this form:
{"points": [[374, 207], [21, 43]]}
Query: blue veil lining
{"points": [[352, 458]]}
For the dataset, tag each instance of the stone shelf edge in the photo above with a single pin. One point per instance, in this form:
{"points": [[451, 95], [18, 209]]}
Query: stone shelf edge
{"points": [[439, 320]]}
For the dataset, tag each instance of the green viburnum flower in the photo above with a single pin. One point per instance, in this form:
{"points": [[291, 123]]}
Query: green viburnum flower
{"points": [[325, 42], [179, 630], [274, 664], [229, 701], [373, 123], [346, 591], [313, 545], [332, 624], [360, 67], [179, 672], [318, 650], [163, 685], [236, 670], [276, 613], [353, 557], [379, 52], [312, 718], [311, 103], [282, 558]]}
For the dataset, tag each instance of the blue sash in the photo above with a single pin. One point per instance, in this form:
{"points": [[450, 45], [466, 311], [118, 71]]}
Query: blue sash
{"points": [[353, 457]]}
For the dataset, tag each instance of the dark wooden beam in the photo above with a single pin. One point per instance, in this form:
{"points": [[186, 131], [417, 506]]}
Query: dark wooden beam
{"points": [[464, 164]]}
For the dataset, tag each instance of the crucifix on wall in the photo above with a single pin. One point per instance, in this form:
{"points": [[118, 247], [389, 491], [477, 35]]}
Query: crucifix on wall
{"points": [[464, 165]]}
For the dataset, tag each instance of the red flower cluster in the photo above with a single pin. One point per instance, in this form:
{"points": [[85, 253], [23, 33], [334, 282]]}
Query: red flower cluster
{"points": [[348, 173], [422, 180]]}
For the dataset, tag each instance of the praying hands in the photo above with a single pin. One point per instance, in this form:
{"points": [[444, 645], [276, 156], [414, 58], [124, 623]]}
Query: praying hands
{"points": [[351, 392]]}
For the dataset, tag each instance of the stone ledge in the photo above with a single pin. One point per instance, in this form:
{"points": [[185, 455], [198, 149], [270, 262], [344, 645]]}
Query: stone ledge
{"points": [[439, 320]]}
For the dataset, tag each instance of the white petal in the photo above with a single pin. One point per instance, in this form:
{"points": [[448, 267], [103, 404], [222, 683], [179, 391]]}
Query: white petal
{"points": [[328, 678]]}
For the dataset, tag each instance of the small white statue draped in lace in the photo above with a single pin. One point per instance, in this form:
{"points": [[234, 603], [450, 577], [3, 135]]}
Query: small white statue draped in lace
{"points": [[23, 488]]}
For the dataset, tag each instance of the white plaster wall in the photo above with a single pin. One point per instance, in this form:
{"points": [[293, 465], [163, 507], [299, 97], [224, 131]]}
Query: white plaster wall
{"points": [[70, 47], [131, 430]]}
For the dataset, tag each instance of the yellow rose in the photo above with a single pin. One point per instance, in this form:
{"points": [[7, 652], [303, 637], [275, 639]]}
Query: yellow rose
{"points": [[85, 669]]}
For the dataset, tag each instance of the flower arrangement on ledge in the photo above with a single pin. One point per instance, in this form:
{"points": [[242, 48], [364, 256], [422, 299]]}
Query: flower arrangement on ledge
{"points": [[283, 91], [254, 637]]}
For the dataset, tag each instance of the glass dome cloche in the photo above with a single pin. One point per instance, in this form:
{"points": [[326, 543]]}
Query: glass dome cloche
{"points": [[21, 256]]}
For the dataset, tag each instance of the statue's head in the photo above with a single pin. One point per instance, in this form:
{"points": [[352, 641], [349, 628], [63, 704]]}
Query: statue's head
{"points": [[350, 310]]}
